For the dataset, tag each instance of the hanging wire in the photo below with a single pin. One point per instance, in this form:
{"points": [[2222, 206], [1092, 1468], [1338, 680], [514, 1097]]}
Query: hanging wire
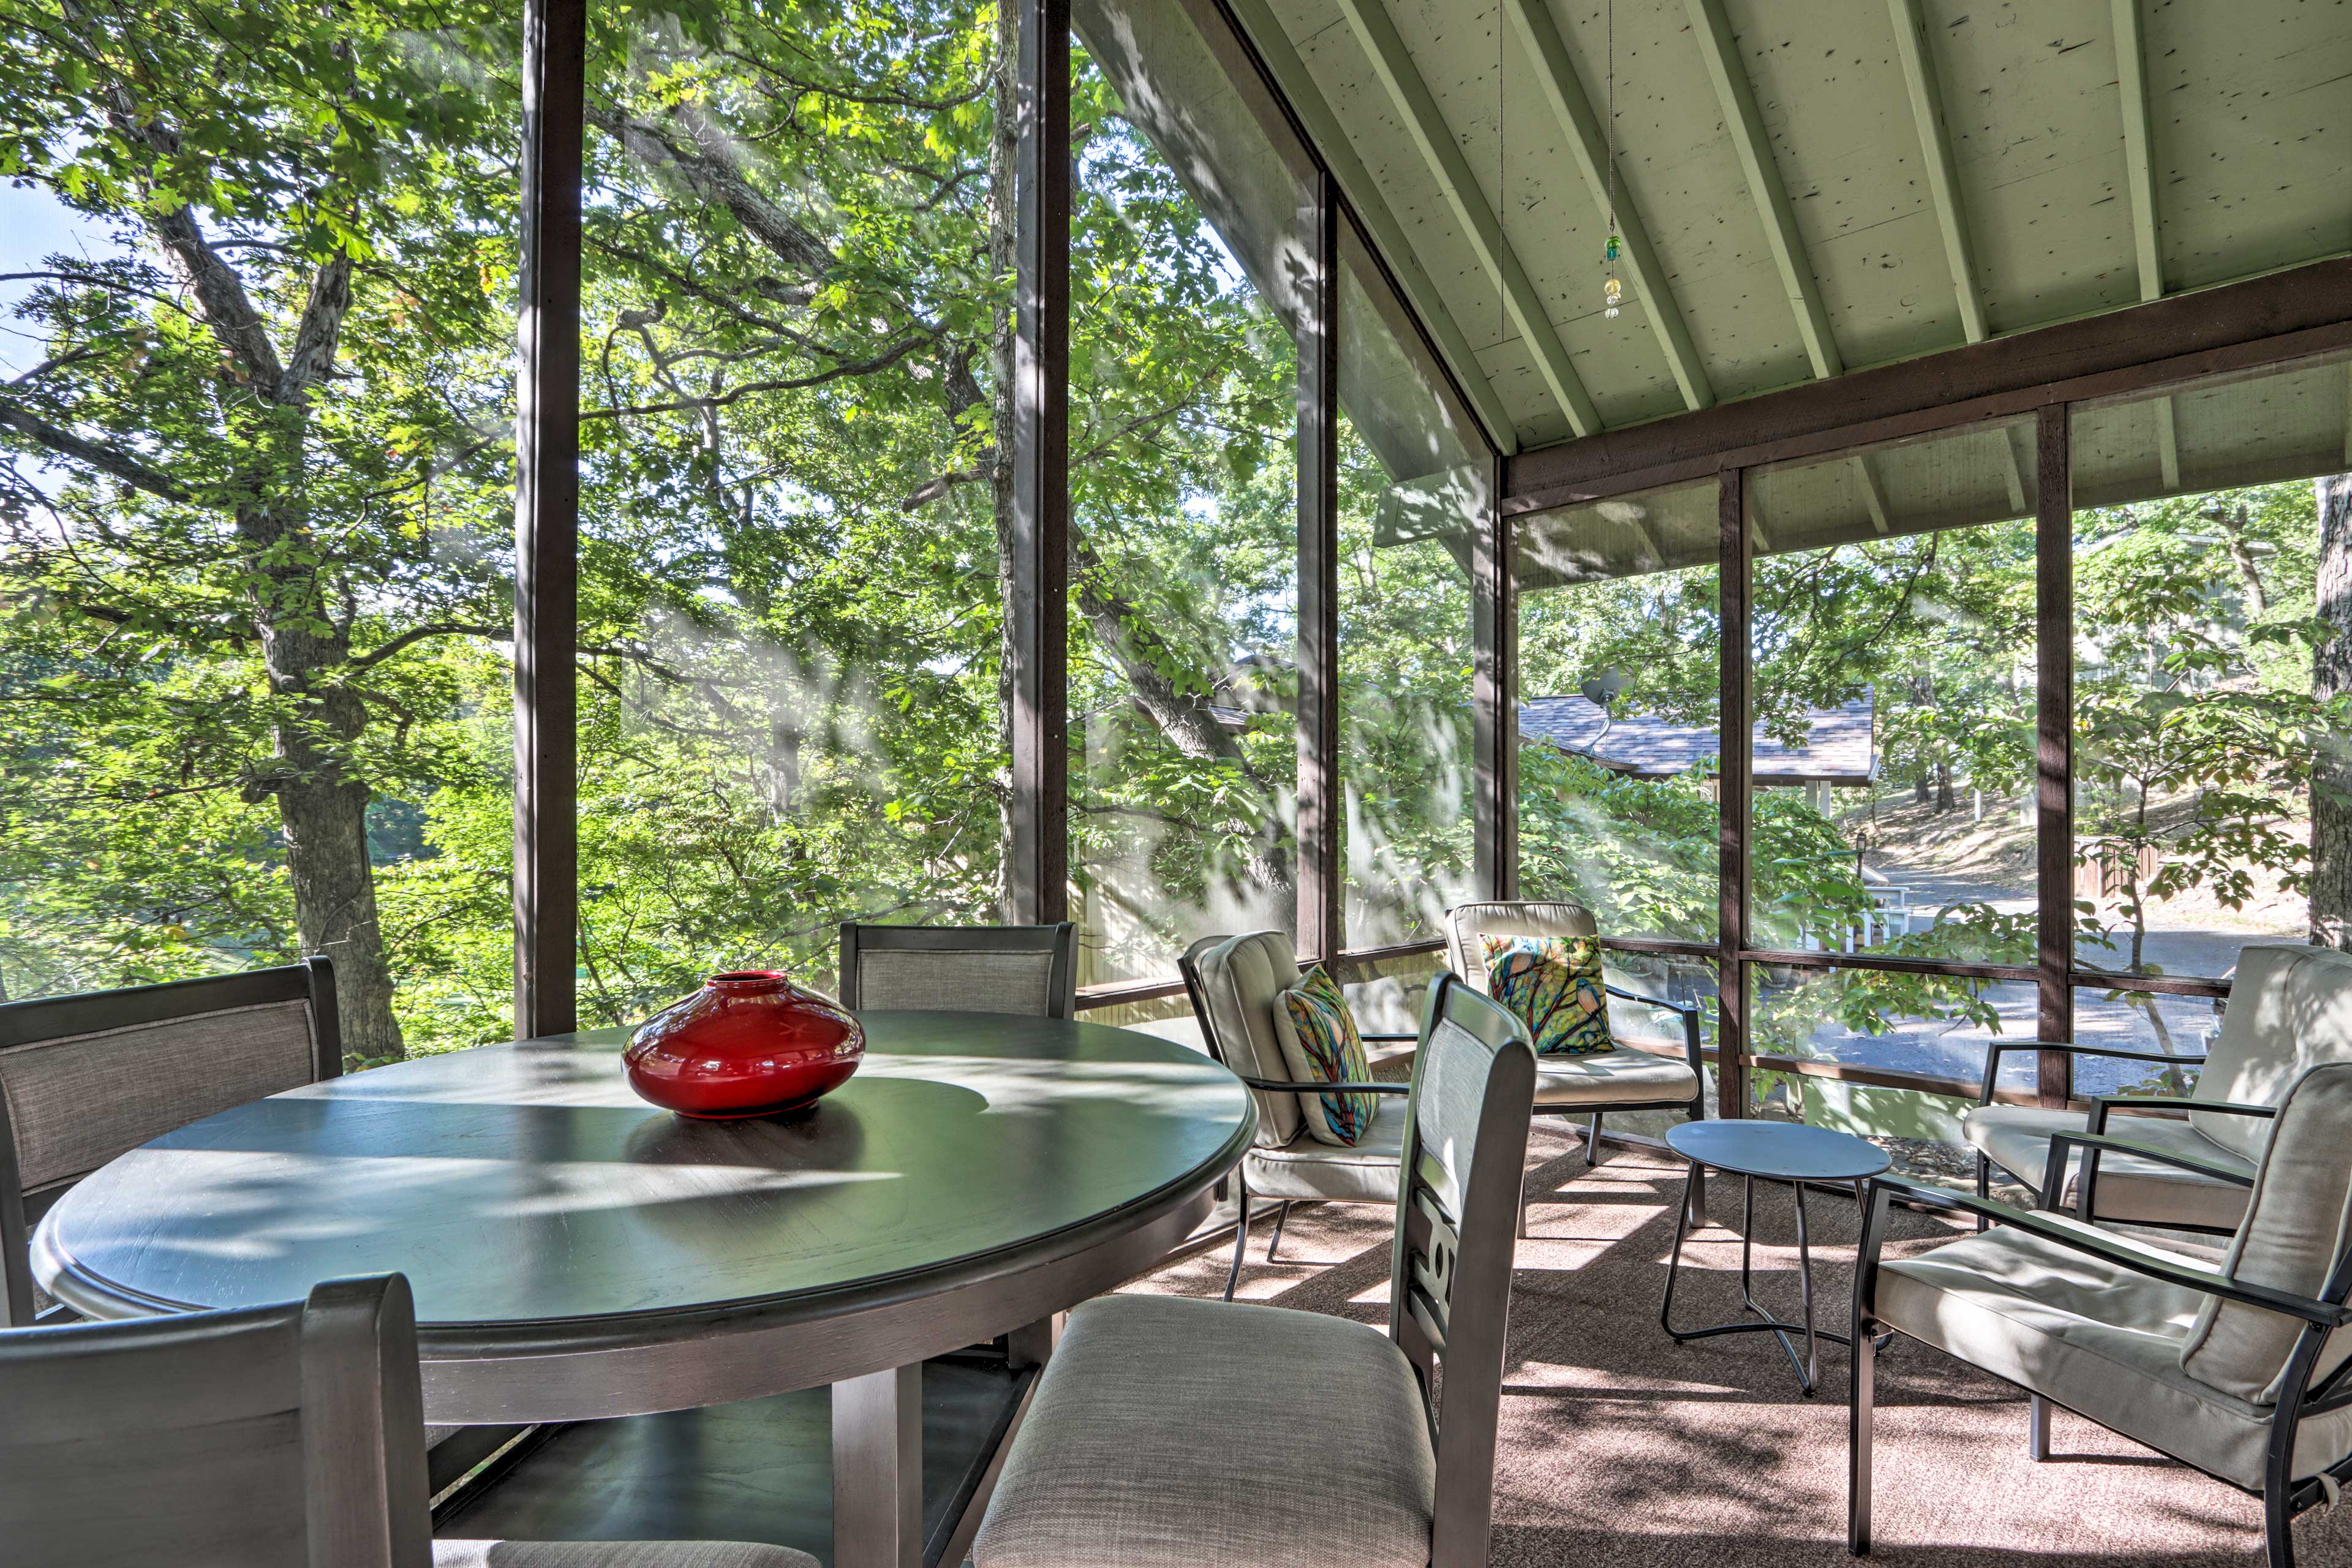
{"points": [[1612, 292], [1502, 173]]}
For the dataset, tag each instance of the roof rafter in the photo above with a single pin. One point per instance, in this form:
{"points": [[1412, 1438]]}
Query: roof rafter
{"points": [[1936, 147], [2139, 165], [1564, 90], [2140, 171], [1338, 155], [1450, 170], [1874, 498], [1746, 122]]}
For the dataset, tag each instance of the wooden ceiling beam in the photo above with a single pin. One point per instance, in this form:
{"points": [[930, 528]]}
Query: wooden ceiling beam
{"points": [[1450, 170], [1589, 143], [1737, 96], [2283, 316], [1935, 149], [1330, 140]]}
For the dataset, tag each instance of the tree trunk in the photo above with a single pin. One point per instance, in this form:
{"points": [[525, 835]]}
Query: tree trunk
{"points": [[1945, 799], [2331, 678], [321, 806]]}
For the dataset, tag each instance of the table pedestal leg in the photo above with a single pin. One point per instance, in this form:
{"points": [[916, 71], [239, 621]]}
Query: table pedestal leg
{"points": [[1032, 1344], [877, 1469]]}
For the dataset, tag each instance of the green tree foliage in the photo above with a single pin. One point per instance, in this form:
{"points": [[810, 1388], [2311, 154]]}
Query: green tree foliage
{"points": [[253, 684]]}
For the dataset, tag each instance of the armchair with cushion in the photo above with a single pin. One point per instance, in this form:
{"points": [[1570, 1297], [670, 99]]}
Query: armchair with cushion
{"points": [[2181, 1162], [1235, 984], [2237, 1370], [1599, 1082]]}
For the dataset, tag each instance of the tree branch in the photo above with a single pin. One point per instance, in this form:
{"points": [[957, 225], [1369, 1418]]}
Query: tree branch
{"points": [[882, 361], [105, 459], [220, 293], [415, 635]]}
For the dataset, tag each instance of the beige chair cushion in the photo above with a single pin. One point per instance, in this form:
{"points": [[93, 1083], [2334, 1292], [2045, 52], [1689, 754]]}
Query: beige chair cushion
{"points": [[2290, 1010], [78, 1101], [1176, 1433], [1465, 923], [1241, 981], [1613, 1078], [2132, 1191], [2097, 1339], [2296, 1229], [1304, 1168]]}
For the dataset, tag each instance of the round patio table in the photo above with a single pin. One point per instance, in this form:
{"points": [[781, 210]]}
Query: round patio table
{"points": [[1787, 1151], [576, 1253]]}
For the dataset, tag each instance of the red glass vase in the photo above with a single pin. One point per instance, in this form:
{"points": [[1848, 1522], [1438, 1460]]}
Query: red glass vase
{"points": [[749, 1043]]}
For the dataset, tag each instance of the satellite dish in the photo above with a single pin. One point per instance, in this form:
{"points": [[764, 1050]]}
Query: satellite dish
{"points": [[1603, 689]]}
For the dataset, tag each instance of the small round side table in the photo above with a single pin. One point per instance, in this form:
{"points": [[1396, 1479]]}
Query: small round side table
{"points": [[1787, 1151]]}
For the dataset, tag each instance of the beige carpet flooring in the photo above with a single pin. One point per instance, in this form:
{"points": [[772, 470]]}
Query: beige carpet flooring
{"points": [[1620, 1447]]}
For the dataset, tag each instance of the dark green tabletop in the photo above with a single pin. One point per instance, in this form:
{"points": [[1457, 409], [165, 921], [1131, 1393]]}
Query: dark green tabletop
{"points": [[526, 1183]]}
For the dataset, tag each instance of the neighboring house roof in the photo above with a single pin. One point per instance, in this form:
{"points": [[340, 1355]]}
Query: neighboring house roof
{"points": [[1837, 752]]}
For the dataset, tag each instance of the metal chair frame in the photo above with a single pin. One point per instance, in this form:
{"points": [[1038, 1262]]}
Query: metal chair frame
{"points": [[2052, 1178], [350, 1352], [1449, 1274], [2299, 1397], [1061, 941], [44, 1018]]}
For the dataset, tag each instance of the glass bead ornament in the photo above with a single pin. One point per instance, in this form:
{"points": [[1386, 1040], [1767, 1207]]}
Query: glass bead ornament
{"points": [[1612, 292]]}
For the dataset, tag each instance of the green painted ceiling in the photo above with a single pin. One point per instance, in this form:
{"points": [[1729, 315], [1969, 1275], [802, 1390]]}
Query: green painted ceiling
{"points": [[2249, 106]]}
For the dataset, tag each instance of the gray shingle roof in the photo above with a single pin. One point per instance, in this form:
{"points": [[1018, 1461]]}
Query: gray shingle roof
{"points": [[1838, 751]]}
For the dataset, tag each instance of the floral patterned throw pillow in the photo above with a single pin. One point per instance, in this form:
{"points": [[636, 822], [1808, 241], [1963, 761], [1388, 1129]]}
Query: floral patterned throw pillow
{"points": [[1319, 1044], [1554, 984]]}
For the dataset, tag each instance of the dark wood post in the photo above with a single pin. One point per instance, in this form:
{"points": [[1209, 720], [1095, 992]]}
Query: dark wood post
{"points": [[1494, 698], [1322, 877], [2053, 623], [547, 522], [1040, 846], [1736, 556]]}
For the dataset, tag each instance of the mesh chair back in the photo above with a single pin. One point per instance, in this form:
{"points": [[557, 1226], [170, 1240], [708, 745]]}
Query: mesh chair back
{"points": [[1466, 923], [1450, 1280], [1027, 970], [86, 1078], [288, 1437]]}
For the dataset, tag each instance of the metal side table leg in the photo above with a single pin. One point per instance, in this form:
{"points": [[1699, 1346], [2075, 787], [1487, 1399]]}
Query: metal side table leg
{"points": [[1808, 1366]]}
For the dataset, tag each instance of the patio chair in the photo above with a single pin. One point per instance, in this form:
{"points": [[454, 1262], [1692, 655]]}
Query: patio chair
{"points": [[1029, 970], [2188, 1161], [1236, 983], [88, 1077], [2235, 1370], [1599, 1082], [1173, 1431], [285, 1437]]}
